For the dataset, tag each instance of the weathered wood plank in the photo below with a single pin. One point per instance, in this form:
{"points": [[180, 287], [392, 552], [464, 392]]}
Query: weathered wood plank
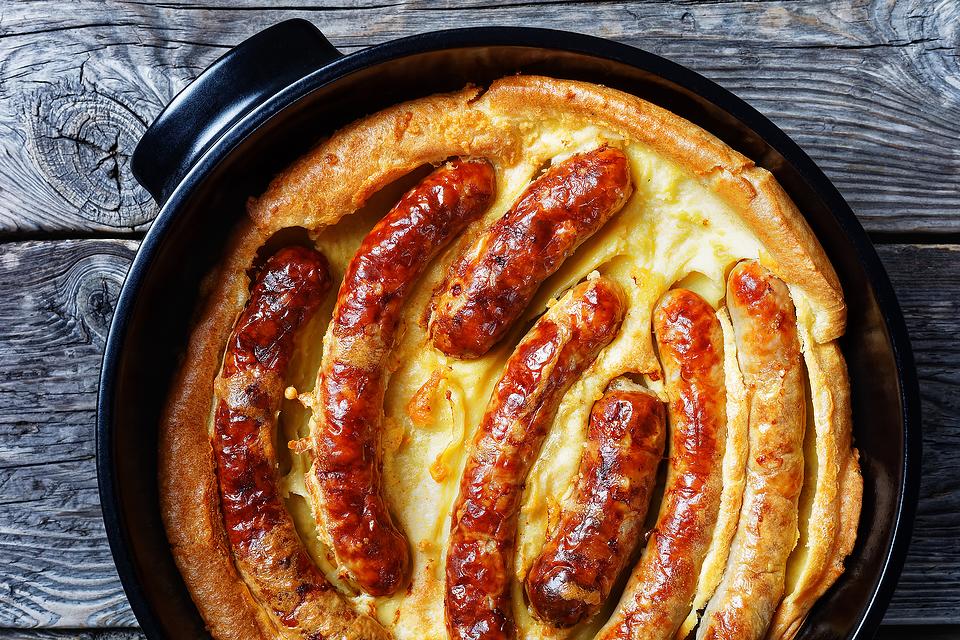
{"points": [[55, 566], [927, 282], [868, 88]]}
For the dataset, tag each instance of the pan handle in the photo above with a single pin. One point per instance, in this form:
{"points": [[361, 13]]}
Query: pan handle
{"points": [[240, 81]]}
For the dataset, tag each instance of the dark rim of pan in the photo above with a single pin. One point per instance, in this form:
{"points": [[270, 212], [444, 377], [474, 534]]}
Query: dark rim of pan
{"points": [[547, 39]]}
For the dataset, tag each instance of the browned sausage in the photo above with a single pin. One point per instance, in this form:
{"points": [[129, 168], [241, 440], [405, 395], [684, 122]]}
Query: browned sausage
{"points": [[658, 596], [768, 349], [248, 392], [344, 482], [571, 578], [555, 352], [490, 285]]}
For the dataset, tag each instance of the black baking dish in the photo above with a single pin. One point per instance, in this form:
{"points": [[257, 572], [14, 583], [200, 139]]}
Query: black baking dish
{"points": [[266, 101]]}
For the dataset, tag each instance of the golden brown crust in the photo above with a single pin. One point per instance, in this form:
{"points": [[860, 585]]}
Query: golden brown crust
{"points": [[764, 206], [341, 173], [769, 353], [337, 176], [835, 512], [189, 497]]}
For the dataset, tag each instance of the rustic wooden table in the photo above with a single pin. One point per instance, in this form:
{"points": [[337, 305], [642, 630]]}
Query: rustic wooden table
{"points": [[870, 89]]}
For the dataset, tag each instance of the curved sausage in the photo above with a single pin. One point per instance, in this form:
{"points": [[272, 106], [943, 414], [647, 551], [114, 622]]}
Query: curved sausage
{"points": [[344, 482], [768, 347], [571, 578], [490, 285], [248, 393], [658, 596], [555, 352]]}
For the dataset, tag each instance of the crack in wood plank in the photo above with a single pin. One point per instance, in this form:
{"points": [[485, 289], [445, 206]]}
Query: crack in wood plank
{"points": [[36, 32]]}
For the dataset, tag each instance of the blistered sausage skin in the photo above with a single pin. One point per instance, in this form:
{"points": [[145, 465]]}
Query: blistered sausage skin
{"points": [[658, 596], [344, 482], [768, 349], [492, 282], [248, 393], [571, 578], [553, 354]]}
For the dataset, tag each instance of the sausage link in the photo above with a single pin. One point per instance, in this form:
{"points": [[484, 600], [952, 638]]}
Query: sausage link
{"points": [[572, 576], [657, 598], [490, 285], [344, 482], [768, 349], [248, 393], [555, 352]]}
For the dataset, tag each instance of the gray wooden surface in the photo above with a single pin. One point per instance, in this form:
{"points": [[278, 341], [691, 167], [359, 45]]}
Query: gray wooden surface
{"points": [[871, 90]]}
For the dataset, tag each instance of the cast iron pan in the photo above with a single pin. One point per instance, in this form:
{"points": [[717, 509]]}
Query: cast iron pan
{"points": [[266, 101]]}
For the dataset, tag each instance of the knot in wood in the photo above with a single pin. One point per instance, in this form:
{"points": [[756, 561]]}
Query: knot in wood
{"points": [[91, 288], [81, 141]]}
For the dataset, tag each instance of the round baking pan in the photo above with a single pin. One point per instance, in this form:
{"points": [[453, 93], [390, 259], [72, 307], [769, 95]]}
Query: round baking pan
{"points": [[266, 101]]}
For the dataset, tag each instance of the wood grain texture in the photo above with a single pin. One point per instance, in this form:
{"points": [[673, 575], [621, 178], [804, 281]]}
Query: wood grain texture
{"points": [[927, 282], [55, 566], [871, 89]]}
